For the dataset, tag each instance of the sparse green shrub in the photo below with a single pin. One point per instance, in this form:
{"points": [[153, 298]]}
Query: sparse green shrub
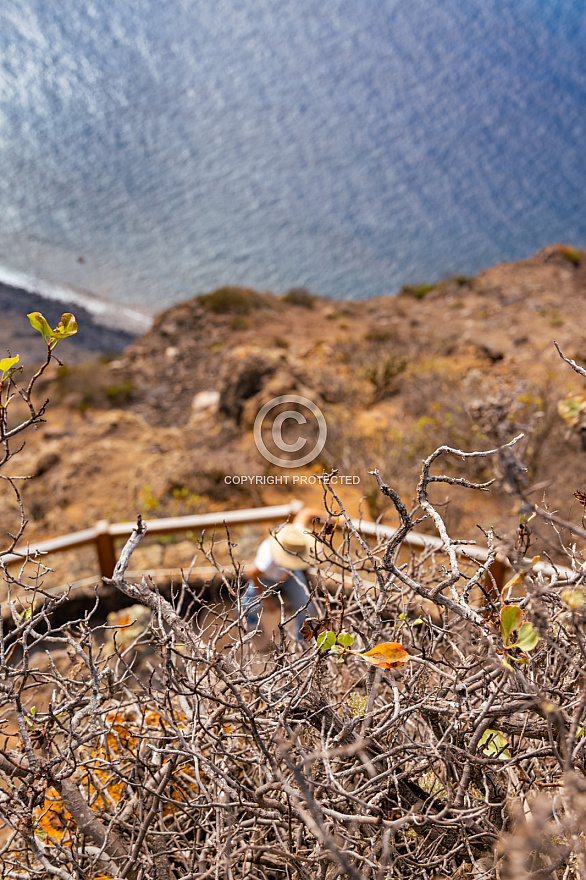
{"points": [[300, 296], [146, 500], [418, 291], [120, 393], [239, 323], [216, 346], [232, 300], [377, 336], [383, 373]]}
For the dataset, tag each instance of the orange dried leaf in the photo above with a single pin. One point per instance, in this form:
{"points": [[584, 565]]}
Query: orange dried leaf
{"points": [[387, 655], [53, 820], [513, 582], [517, 579]]}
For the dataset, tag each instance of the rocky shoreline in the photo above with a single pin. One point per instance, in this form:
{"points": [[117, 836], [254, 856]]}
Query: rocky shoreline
{"points": [[92, 340]]}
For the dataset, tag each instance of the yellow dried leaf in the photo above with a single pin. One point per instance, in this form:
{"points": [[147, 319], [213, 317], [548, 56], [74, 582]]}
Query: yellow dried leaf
{"points": [[387, 655]]}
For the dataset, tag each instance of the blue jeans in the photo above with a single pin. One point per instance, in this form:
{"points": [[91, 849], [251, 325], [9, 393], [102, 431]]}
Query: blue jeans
{"points": [[295, 590]]}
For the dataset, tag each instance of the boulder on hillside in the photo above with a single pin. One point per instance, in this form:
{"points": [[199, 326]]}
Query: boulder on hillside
{"points": [[244, 375]]}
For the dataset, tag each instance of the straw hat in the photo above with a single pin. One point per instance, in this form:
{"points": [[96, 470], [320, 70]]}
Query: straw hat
{"points": [[290, 547]]}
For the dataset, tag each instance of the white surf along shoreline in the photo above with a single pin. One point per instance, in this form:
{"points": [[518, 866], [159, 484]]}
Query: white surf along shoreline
{"points": [[109, 314]]}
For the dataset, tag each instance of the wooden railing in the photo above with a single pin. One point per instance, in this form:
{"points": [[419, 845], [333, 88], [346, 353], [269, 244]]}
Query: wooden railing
{"points": [[104, 534]]}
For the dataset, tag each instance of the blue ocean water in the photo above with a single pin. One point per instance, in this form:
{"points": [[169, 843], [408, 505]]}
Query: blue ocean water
{"points": [[150, 151]]}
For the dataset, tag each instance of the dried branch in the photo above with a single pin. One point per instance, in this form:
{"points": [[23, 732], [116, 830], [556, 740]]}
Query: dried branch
{"points": [[580, 370]]}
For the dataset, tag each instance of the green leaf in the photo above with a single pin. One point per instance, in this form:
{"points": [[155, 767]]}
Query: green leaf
{"points": [[528, 637], [346, 639], [326, 640], [511, 617], [38, 322], [492, 742], [66, 327], [7, 364]]}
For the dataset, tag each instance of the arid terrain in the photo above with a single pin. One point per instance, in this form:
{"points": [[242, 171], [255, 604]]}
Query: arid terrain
{"points": [[156, 428]]}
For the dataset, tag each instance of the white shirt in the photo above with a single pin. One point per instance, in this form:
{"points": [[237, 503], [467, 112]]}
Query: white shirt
{"points": [[266, 564]]}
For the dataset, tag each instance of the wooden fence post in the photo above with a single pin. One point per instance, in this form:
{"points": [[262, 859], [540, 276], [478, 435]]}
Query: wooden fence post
{"points": [[105, 547], [499, 570]]}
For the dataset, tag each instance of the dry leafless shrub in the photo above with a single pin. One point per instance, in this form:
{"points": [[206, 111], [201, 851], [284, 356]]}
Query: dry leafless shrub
{"points": [[176, 749]]}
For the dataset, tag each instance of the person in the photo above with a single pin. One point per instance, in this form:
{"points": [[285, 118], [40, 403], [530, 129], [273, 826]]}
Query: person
{"points": [[280, 564]]}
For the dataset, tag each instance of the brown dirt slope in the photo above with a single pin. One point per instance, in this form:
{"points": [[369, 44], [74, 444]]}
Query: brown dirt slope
{"points": [[469, 363]]}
